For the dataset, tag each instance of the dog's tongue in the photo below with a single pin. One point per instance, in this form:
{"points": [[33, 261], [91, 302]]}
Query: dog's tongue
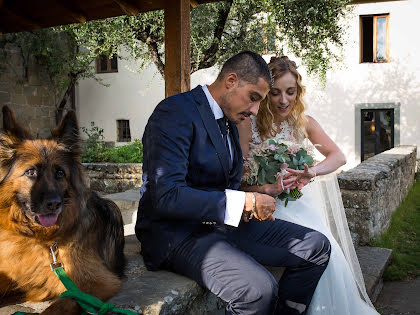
{"points": [[48, 219]]}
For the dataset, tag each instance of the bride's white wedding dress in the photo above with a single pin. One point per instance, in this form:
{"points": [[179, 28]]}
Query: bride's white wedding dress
{"points": [[341, 289]]}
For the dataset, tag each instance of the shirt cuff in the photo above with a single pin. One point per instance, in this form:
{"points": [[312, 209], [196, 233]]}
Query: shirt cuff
{"points": [[235, 202]]}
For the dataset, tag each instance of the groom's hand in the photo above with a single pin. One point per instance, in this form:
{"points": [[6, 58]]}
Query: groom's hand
{"points": [[264, 207]]}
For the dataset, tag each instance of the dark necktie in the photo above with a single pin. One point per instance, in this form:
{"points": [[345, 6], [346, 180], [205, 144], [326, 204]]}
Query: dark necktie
{"points": [[224, 129]]}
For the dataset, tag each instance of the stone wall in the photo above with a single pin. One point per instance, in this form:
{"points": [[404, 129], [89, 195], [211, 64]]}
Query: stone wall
{"points": [[374, 189], [23, 89], [113, 177]]}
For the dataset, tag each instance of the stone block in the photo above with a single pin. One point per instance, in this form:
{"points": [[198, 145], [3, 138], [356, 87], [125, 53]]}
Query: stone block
{"points": [[355, 180], [373, 262], [357, 199], [114, 177], [18, 88], [18, 99], [30, 90], [374, 189], [34, 100], [5, 87], [4, 98], [48, 100]]}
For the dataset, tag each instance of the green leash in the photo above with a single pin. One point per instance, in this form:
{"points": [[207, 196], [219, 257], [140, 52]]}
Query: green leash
{"points": [[89, 303]]}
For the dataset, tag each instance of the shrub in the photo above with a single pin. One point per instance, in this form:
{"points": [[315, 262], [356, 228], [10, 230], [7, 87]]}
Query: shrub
{"points": [[129, 153], [96, 150]]}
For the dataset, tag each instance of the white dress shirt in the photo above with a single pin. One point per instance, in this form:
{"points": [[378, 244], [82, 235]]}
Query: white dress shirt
{"points": [[235, 200]]}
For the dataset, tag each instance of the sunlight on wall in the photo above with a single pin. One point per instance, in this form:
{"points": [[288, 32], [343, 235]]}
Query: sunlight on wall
{"points": [[134, 95]]}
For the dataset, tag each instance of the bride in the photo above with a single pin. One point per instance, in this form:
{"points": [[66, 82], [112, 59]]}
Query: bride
{"points": [[281, 116]]}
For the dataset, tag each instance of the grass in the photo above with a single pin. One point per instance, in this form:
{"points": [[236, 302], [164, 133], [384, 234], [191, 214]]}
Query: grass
{"points": [[403, 237]]}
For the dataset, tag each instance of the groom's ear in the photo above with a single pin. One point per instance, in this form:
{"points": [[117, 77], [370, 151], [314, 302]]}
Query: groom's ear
{"points": [[231, 80]]}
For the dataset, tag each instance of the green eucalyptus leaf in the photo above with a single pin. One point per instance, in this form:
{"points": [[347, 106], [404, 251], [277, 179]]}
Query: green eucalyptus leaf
{"points": [[261, 177]]}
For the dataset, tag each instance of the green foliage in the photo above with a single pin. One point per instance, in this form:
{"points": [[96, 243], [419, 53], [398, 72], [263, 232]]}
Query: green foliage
{"points": [[403, 237], [96, 150], [62, 62], [129, 153], [310, 29], [270, 162]]}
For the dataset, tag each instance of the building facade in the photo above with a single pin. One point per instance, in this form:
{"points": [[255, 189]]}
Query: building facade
{"points": [[370, 102]]}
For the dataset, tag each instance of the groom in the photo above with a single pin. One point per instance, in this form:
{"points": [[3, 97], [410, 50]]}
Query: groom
{"points": [[192, 219]]}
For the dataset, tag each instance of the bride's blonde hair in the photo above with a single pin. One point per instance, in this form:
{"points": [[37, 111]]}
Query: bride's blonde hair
{"points": [[279, 66]]}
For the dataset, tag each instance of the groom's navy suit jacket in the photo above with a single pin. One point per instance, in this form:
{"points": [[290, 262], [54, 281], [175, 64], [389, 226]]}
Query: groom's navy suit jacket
{"points": [[185, 173]]}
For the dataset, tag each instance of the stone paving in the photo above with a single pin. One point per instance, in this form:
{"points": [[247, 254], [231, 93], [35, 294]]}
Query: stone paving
{"points": [[399, 298]]}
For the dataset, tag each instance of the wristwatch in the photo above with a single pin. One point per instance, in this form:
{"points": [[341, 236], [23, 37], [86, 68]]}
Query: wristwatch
{"points": [[252, 211]]}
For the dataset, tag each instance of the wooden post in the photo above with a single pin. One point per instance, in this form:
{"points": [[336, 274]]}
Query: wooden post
{"points": [[177, 46]]}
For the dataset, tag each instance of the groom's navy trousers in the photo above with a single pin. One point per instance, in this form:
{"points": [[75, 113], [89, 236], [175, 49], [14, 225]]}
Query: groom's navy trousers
{"points": [[180, 221]]}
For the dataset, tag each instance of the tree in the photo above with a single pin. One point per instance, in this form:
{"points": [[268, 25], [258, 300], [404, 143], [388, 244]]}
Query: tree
{"points": [[62, 61], [310, 29]]}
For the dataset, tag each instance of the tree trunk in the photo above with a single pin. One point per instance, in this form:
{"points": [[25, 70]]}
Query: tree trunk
{"points": [[60, 109]]}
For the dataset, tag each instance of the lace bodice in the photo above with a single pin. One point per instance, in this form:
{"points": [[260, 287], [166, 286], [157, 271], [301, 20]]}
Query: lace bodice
{"points": [[286, 133]]}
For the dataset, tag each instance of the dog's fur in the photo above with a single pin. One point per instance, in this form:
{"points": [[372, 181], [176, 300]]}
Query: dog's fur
{"points": [[43, 199]]}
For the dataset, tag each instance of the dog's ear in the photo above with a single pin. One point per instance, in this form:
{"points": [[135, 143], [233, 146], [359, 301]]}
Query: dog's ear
{"points": [[10, 137], [67, 133], [11, 127]]}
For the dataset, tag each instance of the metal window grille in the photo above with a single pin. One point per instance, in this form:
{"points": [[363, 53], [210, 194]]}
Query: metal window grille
{"points": [[123, 129], [106, 65]]}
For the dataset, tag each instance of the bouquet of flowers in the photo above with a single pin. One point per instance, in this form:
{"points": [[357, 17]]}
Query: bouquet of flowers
{"points": [[269, 162]]}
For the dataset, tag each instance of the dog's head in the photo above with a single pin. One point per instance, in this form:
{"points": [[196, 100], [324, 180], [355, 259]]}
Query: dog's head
{"points": [[39, 178]]}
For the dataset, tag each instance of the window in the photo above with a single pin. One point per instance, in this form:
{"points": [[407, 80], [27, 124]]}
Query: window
{"points": [[377, 131], [106, 65], [123, 130], [269, 37], [374, 38]]}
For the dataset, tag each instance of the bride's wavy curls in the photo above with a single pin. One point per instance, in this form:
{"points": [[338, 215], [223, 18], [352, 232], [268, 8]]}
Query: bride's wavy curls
{"points": [[279, 66]]}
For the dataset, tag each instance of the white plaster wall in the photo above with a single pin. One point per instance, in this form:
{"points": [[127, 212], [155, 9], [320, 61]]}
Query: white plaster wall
{"points": [[353, 82], [134, 95], [131, 95]]}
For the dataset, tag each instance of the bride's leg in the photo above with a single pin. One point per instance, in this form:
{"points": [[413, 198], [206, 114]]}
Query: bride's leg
{"points": [[304, 252]]}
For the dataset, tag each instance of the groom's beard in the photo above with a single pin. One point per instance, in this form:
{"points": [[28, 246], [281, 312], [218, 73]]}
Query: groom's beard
{"points": [[226, 107]]}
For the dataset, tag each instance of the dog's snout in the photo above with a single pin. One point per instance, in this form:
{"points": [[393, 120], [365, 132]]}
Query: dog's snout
{"points": [[54, 203]]}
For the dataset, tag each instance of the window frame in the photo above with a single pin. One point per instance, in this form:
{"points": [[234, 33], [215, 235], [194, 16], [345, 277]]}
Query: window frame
{"points": [[358, 121], [376, 111], [120, 130], [375, 18], [109, 68]]}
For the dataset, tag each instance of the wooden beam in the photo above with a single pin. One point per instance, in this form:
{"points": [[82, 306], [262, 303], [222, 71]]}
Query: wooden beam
{"points": [[177, 47], [194, 4], [75, 13], [21, 19], [127, 8]]}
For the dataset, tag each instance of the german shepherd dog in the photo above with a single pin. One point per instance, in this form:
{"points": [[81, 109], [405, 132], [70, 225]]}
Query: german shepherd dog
{"points": [[44, 202]]}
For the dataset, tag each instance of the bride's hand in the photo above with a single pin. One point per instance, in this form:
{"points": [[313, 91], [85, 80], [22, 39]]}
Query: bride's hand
{"points": [[300, 178], [277, 188]]}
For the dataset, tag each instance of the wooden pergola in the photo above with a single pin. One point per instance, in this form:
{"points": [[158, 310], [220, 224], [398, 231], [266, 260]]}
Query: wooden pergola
{"points": [[24, 15]]}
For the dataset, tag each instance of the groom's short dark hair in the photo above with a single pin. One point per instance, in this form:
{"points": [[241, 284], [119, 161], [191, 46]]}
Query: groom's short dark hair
{"points": [[248, 66]]}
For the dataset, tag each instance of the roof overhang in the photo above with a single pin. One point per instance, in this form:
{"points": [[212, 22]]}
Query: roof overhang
{"points": [[23, 15]]}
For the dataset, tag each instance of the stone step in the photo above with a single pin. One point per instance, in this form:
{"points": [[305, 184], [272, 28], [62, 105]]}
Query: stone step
{"points": [[165, 293], [128, 202], [373, 262]]}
